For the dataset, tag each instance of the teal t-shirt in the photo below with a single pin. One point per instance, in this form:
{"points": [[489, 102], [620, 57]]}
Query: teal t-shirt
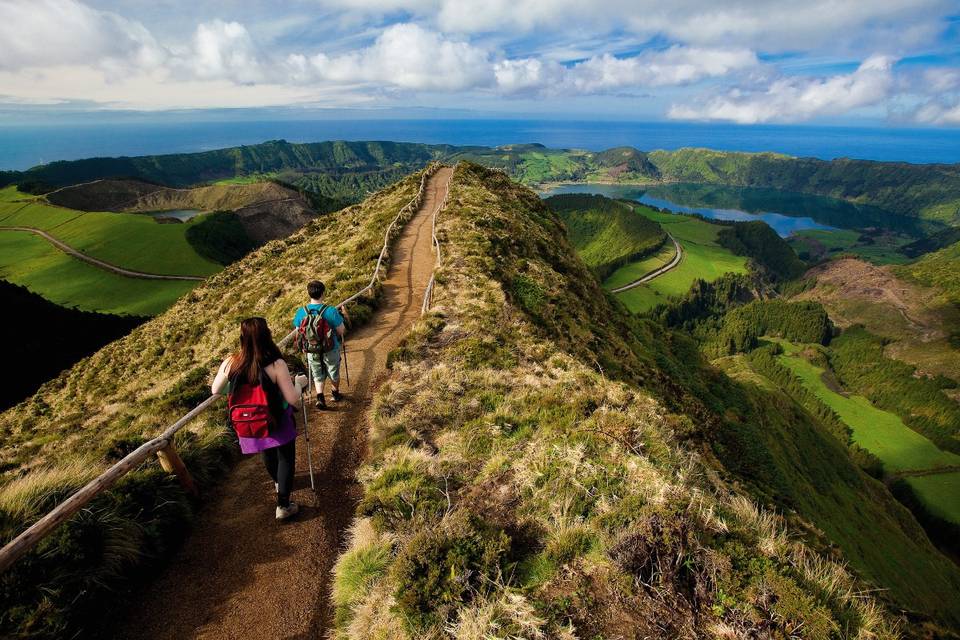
{"points": [[330, 314]]}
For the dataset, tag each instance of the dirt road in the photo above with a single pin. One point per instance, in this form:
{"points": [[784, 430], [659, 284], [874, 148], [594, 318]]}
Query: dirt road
{"points": [[659, 271], [243, 575]]}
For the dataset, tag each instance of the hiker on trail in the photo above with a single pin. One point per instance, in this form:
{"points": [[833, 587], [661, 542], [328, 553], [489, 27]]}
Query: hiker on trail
{"points": [[320, 332], [261, 402]]}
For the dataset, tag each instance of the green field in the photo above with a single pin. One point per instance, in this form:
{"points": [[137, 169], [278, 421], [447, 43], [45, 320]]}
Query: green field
{"points": [[128, 240], [940, 492], [883, 249], [702, 259], [884, 434], [32, 262]]}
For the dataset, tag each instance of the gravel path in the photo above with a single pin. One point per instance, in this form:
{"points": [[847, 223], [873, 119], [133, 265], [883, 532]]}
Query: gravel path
{"points": [[241, 574]]}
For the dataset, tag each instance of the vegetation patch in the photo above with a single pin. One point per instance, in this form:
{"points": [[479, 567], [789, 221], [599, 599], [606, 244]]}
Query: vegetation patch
{"points": [[606, 233]]}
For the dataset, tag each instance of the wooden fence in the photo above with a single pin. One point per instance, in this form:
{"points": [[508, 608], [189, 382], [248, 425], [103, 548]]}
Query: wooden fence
{"points": [[163, 445]]}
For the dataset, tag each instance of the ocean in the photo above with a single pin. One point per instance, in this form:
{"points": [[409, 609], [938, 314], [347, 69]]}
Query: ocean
{"points": [[23, 146]]}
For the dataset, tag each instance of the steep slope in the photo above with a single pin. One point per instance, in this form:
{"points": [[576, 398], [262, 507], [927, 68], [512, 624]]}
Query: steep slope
{"points": [[525, 480], [606, 233], [108, 404]]}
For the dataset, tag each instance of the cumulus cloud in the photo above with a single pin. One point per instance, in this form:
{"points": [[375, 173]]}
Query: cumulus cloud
{"points": [[405, 56], [794, 99], [225, 50], [42, 33]]}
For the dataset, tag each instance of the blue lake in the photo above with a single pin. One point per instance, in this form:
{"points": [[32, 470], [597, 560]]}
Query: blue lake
{"points": [[180, 214], [677, 198]]}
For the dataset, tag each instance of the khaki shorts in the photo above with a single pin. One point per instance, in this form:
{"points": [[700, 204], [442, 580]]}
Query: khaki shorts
{"points": [[325, 365]]}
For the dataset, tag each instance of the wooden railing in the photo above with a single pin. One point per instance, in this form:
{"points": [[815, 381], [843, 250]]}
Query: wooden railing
{"points": [[428, 294], [163, 445]]}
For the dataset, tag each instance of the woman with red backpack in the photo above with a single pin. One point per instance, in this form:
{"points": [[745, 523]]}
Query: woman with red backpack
{"points": [[261, 400]]}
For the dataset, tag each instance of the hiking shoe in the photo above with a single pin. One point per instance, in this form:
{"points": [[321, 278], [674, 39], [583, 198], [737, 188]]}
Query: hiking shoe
{"points": [[276, 487], [321, 403], [337, 395], [283, 513]]}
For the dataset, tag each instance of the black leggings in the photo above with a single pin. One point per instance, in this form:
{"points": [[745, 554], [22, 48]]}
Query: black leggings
{"points": [[280, 462]]}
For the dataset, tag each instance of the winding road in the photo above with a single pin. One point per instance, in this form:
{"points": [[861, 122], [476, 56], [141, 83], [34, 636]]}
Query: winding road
{"points": [[102, 264], [240, 574], [659, 271]]}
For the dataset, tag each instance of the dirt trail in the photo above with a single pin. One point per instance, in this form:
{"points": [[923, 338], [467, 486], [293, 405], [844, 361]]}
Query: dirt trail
{"points": [[243, 575], [103, 264]]}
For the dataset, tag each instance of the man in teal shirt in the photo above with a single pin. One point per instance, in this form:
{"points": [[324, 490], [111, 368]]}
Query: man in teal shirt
{"points": [[325, 365]]}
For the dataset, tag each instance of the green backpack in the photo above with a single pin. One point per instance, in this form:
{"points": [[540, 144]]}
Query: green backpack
{"points": [[314, 334]]}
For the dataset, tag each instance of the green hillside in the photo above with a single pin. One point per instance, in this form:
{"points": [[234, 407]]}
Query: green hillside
{"points": [[938, 270], [543, 462], [184, 169], [895, 189], [606, 233], [110, 403]]}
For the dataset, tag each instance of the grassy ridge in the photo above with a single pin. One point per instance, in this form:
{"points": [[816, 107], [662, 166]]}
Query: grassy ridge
{"points": [[113, 401], [606, 233], [514, 490]]}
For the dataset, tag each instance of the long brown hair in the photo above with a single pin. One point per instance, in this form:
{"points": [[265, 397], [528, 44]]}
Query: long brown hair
{"points": [[257, 351]]}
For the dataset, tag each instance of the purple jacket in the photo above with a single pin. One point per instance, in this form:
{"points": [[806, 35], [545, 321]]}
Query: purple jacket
{"points": [[283, 433]]}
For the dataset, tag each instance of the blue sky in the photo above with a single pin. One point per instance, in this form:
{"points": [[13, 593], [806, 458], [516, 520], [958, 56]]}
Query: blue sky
{"points": [[748, 62]]}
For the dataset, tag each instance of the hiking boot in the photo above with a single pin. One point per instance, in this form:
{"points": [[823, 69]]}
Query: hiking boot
{"points": [[283, 513], [337, 395], [276, 487], [321, 403]]}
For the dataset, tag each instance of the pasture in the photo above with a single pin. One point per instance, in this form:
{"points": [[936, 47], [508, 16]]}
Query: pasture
{"points": [[884, 434], [133, 241], [702, 259]]}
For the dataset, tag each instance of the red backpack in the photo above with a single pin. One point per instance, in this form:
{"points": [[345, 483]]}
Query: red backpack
{"points": [[249, 408]]}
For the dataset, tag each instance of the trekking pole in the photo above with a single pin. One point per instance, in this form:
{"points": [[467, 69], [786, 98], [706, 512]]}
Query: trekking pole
{"points": [[306, 431], [346, 367]]}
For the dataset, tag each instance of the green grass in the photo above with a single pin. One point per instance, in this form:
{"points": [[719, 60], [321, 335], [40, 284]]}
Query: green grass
{"points": [[702, 259], [606, 233], [882, 433], [938, 270], [32, 262], [540, 167], [128, 240], [883, 250], [940, 492]]}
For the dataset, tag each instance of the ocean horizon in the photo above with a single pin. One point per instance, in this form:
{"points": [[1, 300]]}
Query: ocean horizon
{"points": [[27, 145]]}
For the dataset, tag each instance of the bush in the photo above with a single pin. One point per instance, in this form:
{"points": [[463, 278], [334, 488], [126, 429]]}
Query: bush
{"points": [[442, 568]]}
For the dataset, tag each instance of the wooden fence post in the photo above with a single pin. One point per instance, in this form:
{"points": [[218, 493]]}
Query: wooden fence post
{"points": [[171, 462]]}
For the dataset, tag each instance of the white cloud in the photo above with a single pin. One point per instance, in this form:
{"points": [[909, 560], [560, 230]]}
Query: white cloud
{"points": [[42, 33], [225, 50], [773, 25], [405, 56], [797, 98]]}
